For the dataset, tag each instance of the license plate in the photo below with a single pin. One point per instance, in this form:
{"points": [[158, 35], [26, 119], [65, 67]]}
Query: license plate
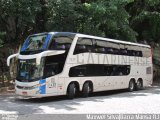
{"points": [[24, 93]]}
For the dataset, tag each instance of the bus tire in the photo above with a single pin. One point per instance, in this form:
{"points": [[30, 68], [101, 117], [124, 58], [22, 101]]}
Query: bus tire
{"points": [[86, 90], [139, 85], [71, 91], [131, 86]]}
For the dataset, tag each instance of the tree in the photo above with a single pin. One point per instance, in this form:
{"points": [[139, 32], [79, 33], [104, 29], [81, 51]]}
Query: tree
{"points": [[111, 18], [2, 34], [63, 15], [18, 17], [99, 17], [145, 19]]}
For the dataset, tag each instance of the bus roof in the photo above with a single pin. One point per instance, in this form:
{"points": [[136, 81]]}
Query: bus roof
{"points": [[101, 38], [114, 40]]}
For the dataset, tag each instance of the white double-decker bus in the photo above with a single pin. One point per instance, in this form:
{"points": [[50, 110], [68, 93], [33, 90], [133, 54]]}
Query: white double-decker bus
{"points": [[62, 63]]}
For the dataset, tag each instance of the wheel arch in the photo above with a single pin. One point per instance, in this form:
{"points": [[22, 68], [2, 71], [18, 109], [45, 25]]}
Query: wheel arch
{"points": [[139, 86], [133, 80], [140, 79]]}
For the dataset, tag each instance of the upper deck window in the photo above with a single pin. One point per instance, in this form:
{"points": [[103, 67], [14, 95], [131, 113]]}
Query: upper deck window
{"points": [[84, 45], [60, 43], [36, 42]]}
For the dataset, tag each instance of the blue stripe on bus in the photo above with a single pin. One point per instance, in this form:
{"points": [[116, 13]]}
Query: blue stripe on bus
{"points": [[42, 86], [25, 45], [49, 36]]}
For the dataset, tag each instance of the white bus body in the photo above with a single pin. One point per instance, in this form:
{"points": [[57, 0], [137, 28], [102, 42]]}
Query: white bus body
{"points": [[92, 64]]}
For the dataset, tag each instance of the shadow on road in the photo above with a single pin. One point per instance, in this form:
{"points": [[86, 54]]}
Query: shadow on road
{"points": [[101, 95], [39, 105]]}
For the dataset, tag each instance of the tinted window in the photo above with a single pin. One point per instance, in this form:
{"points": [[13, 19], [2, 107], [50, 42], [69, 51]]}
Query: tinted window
{"points": [[123, 52], [134, 51], [99, 70], [36, 42], [83, 45], [60, 43], [100, 46], [107, 47], [54, 65], [28, 71]]}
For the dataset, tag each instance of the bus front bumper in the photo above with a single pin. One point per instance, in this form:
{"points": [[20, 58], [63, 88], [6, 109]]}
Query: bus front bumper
{"points": [[33, 91]]}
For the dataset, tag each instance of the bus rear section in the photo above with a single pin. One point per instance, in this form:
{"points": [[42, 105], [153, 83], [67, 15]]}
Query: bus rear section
{"points": [[100, 64]]}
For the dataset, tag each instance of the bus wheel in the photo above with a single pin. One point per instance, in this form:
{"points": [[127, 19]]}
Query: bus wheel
{"points": [[86, 89], [139, 85], [131, 86], [71, 91]]}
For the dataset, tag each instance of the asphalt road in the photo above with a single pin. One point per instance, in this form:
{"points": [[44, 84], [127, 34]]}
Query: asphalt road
{"points": [[110, 102]]}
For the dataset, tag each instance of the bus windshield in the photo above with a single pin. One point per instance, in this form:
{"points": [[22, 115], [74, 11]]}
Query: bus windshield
{"points": [[28, 71], [36, 42]]}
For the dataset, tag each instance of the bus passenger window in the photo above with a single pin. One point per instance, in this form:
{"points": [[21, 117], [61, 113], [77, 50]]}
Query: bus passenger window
{"points": [[109, 50], [60, 47], [77, 71], [131, 52], [60, 43], [139, 53], [116, 51], [51, 69], [114, 71], [102, 50], [84, 45], [80, 49], [134, 53], [123, 51]]}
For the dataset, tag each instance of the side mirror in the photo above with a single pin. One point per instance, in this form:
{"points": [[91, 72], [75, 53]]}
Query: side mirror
{"points": [[10, 57]]}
